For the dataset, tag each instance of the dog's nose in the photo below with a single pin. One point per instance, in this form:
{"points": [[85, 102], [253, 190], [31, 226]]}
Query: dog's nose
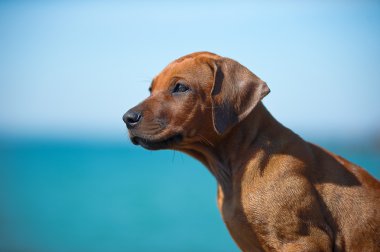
{"points": [[131, 118]]}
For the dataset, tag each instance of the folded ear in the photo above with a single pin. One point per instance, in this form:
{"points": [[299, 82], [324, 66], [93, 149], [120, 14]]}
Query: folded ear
{"points": [[235, 93]]}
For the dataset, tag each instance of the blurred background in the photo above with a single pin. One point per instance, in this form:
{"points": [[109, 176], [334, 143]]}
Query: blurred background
{"points": [[70, 180]]}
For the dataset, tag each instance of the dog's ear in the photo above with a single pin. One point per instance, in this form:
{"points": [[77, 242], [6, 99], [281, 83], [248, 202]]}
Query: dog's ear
{"points": [[236, 91]]}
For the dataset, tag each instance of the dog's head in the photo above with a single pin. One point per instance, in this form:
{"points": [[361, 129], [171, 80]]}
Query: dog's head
{"points": [[196, 98]]}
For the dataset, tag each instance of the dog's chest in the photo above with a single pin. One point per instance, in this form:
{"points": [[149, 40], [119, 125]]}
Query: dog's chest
{"points": [[238, 225]]}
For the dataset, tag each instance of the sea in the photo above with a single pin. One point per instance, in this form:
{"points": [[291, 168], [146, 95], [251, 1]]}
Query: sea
{"points": [[111, 196]]}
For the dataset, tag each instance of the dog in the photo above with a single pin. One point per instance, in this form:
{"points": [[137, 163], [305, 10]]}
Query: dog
{"points": [[276, 192]]}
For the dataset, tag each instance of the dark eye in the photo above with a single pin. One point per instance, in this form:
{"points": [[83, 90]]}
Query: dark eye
{"points": [[180, 88]]}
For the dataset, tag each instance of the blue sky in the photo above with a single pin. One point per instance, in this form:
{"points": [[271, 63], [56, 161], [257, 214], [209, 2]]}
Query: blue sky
{"points": [[72, 68]]}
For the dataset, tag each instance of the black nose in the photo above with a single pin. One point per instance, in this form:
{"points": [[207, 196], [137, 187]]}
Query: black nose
{"points": [[131, 118]]}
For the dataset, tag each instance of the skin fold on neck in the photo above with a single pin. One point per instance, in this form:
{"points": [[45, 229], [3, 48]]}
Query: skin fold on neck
{"points": [[252, 136]]}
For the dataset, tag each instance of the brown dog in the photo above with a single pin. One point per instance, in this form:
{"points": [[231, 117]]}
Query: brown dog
{"points": [[276, 192]]}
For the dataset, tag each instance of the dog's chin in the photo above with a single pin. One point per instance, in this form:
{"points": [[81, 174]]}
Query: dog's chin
{"points": [[157, 144]]}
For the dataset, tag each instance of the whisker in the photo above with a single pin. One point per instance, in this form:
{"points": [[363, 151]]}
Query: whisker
{"points": [[173, 156], [144, 80], [205, 140], [212, 107], [152, 130]]}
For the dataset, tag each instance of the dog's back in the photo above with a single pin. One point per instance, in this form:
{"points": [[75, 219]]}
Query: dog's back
{"points": [[351, 201]]}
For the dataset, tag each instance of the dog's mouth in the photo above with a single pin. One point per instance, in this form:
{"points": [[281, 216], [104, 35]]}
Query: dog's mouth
{"points": [[166, 143]]}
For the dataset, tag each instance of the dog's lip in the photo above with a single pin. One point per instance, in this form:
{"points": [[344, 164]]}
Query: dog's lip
{"points": [[135, 140], [157, 143]]}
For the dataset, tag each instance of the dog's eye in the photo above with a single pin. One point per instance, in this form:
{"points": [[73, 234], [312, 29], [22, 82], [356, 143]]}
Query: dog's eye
{"points": [[180, 88]]}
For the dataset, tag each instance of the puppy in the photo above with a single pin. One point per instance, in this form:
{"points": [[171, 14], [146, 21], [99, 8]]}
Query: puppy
{"points": [[276, 192]]}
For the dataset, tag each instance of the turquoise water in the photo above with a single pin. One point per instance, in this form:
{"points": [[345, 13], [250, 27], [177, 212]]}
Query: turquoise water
{"points": [[105, 196]]}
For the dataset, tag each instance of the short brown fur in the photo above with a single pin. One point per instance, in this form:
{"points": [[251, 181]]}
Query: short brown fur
{"points": [[276, 192]]}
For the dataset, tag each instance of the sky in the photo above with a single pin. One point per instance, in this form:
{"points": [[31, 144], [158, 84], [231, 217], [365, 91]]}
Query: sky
{"points": [[73, 68]]}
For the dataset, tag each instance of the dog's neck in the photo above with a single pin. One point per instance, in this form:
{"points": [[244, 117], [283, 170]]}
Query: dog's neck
{"points": [[253, 134]]}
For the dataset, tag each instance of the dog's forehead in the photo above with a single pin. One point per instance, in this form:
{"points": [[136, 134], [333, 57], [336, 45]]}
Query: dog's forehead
{"points": [[189, 68]]}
